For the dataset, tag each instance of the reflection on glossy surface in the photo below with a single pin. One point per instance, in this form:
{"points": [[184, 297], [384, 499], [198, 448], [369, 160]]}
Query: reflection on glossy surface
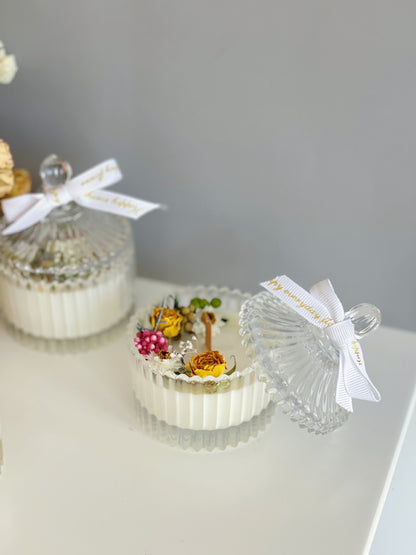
{"points": [[203, 440]]}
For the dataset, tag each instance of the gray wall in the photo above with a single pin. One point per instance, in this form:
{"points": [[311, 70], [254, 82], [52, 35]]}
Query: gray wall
{"points": [[281, 134]]}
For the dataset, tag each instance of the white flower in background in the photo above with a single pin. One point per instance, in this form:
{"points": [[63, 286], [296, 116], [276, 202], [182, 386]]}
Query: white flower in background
{"points": [[172, 364], [8, 66]]}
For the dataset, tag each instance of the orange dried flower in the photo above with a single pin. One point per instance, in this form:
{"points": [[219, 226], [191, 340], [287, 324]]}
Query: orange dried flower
{"points": [[210, 363]]}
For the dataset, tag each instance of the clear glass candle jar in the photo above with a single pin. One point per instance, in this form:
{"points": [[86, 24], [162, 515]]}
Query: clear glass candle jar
{"points": [[193, 402], [69, 276]]}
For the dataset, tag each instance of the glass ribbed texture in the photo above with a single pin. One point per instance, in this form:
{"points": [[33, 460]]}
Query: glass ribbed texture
{"points": [[69, 276], [300, 361], [197, 403]]}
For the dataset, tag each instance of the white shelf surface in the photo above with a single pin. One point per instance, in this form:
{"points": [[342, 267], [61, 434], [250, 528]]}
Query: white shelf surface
{"points": [[80, 479]]}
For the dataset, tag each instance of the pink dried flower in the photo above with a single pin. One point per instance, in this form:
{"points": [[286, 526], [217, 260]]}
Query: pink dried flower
{"points": [[149, 341]]}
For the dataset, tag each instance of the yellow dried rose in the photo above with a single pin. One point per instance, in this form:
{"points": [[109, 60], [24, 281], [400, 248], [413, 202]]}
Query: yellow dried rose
{"points": [[170, 323], [22, 183], [6, 169], [210, 363]]}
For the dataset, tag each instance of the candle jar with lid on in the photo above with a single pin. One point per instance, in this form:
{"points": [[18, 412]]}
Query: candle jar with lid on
{"points": [[69, 276]]}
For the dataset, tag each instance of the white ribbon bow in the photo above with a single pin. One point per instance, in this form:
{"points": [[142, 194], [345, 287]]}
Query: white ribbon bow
{"points": [[323, 309], [26, 210]]}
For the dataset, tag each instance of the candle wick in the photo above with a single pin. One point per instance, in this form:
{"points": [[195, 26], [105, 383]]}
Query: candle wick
{"points": [[208, 330]]}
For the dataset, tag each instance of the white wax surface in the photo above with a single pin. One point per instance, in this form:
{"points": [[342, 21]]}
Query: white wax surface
{"points": [[228, 341]]}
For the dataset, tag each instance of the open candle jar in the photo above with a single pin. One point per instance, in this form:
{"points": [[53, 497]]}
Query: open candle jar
{"points": [[262, 351], [183, 377]]}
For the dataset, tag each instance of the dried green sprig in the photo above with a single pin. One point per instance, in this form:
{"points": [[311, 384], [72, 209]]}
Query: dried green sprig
{"points": [[183, 370], [197, 302], [233, 369]]}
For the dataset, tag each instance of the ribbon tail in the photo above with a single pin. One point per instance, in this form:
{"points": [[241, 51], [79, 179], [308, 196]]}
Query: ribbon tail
{"points": [[103, 175], [354, 382], [343, 397], [122, 205], [26, 218], [359, 384], [15, 207]]}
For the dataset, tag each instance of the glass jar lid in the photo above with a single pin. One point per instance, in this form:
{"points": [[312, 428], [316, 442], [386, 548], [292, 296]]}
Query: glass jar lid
{"points": [[299, 361], [71, 241]]}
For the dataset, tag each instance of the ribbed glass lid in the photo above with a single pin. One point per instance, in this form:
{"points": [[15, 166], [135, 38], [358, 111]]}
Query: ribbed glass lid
{"points": [[299, 362], [70, 241]]}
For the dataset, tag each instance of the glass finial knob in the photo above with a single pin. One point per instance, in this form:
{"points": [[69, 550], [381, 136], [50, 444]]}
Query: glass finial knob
{"points": [[54, 171], [365, 317]]}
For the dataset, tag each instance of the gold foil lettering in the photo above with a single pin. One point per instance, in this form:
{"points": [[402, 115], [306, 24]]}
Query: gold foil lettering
{"points": [[356, 350], [100, 175], [278, 287], [55, 195]]}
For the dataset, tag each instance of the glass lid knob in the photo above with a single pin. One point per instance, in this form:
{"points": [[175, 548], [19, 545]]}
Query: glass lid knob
{"points": [[54, 171], [365, 317]]}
